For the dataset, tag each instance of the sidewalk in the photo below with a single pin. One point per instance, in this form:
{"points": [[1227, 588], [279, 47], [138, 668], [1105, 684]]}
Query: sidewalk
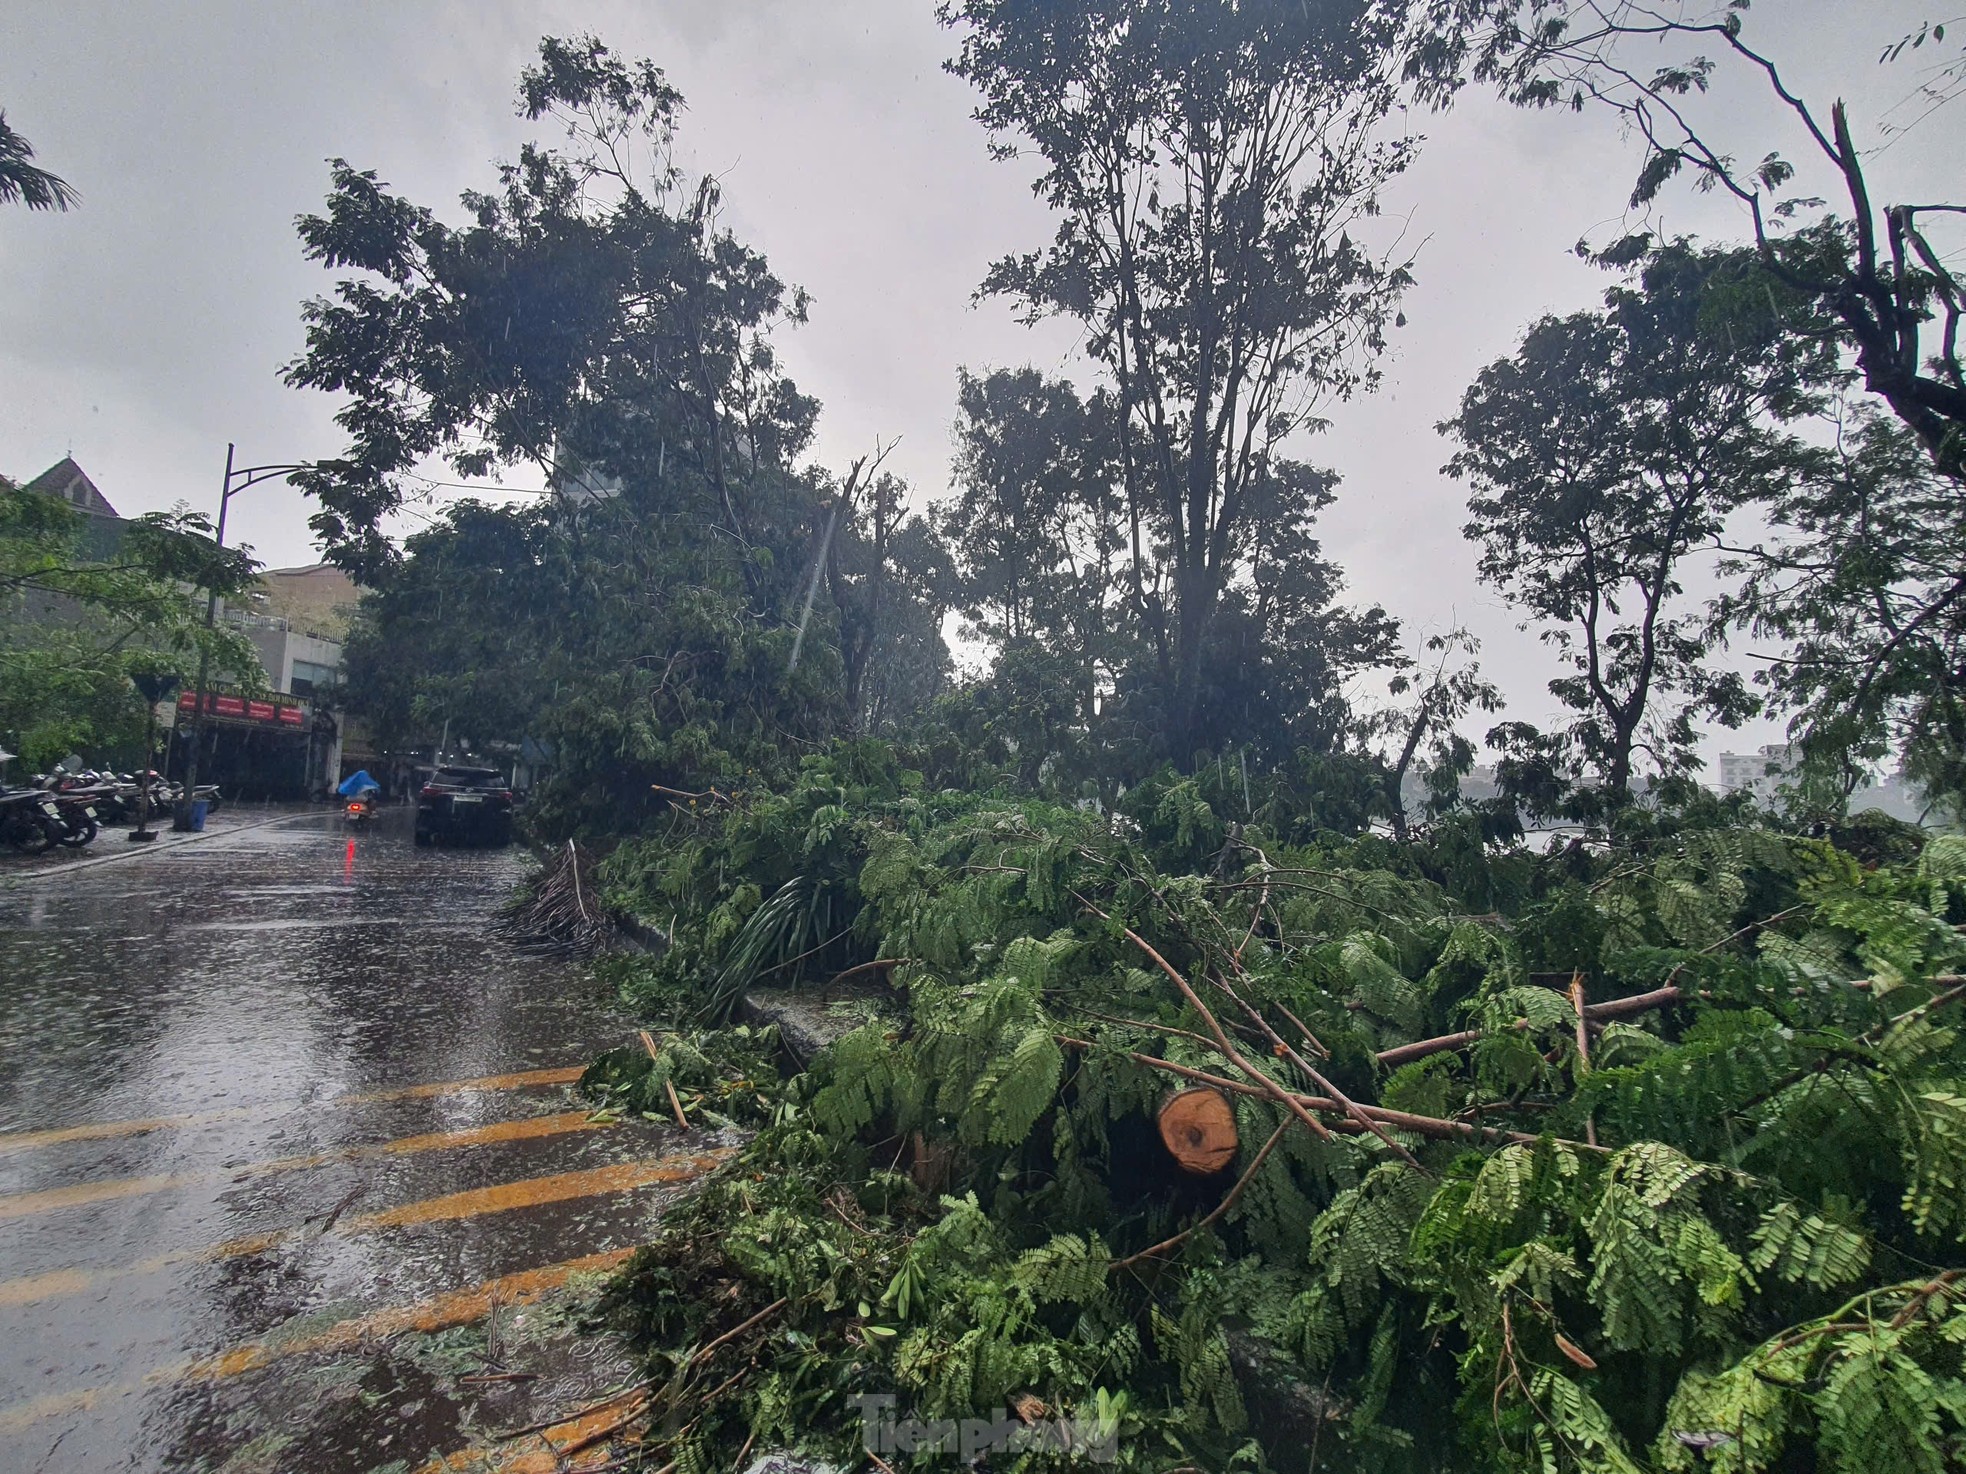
{"points": [[113, 844]]}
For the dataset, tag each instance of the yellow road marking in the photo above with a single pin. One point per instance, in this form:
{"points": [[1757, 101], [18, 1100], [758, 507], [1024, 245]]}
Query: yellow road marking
{"points": [[526, 1193], [47, 1200], [457, 1308], [550, 1459], [532, 1191], [21, 1141]]}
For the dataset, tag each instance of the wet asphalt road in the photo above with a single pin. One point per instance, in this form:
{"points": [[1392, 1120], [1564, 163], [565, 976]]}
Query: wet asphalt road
{"points": [[280, 1121]]}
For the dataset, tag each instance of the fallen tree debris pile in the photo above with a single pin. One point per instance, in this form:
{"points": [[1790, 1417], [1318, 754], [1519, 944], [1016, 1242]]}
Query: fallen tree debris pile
{"points": [[559, 910], [1194, 1148]]}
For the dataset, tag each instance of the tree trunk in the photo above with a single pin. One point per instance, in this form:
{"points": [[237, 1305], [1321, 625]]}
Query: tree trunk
{"points": [[1198, 1127]]}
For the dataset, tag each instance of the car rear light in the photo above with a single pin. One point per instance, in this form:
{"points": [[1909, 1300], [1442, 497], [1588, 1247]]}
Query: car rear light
{"points": [[429, 790]]}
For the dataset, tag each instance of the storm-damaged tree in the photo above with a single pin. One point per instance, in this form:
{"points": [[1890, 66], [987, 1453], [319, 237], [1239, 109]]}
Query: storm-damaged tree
{"points": [[888, 577], [1610, 448], [1880, 273], [1035, 524], [1441, 686], [23, 182], [1215, 168], [592, 323], [1036, 521], [592, 327]]}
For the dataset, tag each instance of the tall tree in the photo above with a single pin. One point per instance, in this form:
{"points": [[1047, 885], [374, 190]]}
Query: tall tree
{"points": [[22, 182], [591, 321], [1608, 449], [1036, 521], [1214, 166], [1877, 272], [591, 325], [1442, 686], [889, 579]]}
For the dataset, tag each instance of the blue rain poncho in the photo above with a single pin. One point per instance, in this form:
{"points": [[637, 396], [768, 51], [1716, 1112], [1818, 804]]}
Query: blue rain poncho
{"points": [[356, 784]]}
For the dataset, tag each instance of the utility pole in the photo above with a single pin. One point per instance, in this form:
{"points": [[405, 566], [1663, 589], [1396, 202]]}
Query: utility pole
{"points": [[204, 654], [245, 477]]}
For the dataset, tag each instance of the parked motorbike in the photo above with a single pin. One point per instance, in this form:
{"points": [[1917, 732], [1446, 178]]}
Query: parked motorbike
{"points": [[76, 802], [29, 820]]}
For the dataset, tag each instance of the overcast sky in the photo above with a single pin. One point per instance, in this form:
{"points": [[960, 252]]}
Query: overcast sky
{"points": [[144, 330]]}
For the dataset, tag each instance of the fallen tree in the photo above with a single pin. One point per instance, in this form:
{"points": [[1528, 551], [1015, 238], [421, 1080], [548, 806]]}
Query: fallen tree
{"points": [[1163, 1149]]}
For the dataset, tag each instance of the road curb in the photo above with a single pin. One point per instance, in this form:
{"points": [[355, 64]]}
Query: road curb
{"points": [[139, 852]]}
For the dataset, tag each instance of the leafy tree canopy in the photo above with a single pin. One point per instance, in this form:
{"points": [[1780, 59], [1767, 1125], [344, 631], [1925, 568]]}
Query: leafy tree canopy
{"points": [[1606, 452], [87, 606]]}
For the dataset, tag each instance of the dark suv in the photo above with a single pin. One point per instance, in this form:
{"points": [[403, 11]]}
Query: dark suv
{"points": [[464, 803]]}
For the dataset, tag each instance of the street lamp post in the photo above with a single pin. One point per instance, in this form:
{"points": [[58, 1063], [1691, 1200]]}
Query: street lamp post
{"points": [[236, 481]]}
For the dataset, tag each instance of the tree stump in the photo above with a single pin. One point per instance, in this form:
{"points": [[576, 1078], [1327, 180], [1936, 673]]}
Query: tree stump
{"points": [[1198, 1128]]}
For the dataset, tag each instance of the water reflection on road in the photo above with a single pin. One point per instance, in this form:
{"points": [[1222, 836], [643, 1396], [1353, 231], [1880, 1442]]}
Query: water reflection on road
{"points": [[268, 1101]]}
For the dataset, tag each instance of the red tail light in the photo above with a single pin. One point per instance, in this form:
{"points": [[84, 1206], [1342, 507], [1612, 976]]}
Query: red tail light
{"points": [[429, 790]]}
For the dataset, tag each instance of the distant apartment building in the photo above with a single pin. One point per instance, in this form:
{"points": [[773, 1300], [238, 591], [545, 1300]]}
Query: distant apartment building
{"points": [[1761, 773]]}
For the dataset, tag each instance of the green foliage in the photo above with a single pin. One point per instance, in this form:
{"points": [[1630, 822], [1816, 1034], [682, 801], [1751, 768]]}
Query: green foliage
{"points": [[1212, 167], [730, 1076], [85, 605], [944, 1198], [1605, 452], [591, 328]]}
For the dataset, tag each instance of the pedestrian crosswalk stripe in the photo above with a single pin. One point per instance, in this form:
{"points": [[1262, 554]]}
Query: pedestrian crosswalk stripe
{"points": [[22, 1141], [75, 1195], [459, 1307], [525, 1193]]}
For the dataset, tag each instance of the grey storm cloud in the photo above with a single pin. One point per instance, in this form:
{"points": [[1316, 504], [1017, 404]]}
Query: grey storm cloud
{"points": [[146, 329]]}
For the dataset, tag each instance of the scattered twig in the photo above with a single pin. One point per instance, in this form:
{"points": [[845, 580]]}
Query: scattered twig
{"points": [[593, 1436], [704, 1353], [1351, 1108], [877, 965], [636, 1389], [1583, 1047], [1234, 1056], [1317, 1044], [711, 794], [553, 915], [675, 1104], [1400, 1120]]}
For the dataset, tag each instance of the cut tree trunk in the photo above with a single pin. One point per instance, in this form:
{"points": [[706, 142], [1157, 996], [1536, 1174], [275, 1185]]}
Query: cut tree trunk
{"points": [[1198, 1127]]}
